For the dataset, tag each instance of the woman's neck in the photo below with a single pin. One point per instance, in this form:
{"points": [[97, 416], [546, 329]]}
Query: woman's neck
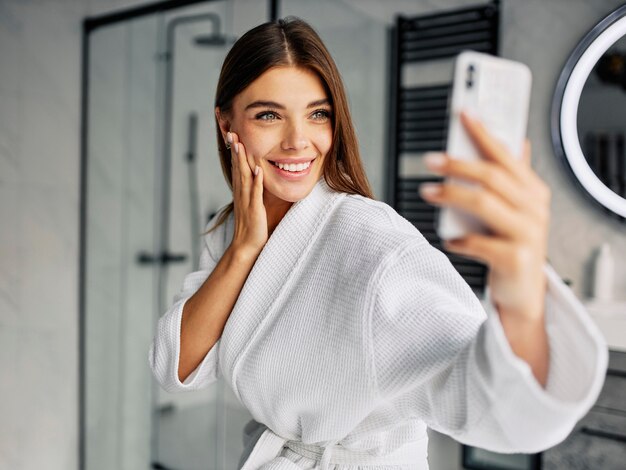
{"points": [[275, 209]]}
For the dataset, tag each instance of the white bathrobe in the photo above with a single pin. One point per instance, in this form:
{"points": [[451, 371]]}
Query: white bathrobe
{"points": [[352, 335]]}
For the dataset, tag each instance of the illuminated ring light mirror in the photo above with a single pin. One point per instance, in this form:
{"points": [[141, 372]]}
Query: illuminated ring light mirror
{"points": [[565, 120]]}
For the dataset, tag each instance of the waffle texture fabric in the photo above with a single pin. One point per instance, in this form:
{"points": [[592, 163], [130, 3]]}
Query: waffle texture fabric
{"points": [[353, 331]]}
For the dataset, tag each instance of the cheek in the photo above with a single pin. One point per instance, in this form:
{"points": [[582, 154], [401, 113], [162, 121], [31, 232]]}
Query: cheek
{"points": [[325, 141], [257, 141]]}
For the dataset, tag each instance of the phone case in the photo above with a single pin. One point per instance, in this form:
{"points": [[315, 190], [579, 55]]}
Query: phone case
{"points": [[497, 92]]}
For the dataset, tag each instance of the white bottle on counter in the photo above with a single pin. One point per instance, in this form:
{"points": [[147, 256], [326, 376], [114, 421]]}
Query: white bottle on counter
{"points": [[603, 274]]}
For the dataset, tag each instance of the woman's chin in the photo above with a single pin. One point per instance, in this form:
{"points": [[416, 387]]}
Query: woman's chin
{"points": [[291, 192]]}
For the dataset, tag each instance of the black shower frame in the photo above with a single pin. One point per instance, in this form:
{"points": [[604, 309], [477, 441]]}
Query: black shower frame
{"points": [[89, 25]]}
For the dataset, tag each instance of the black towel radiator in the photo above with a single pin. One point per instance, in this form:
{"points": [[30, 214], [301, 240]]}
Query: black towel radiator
{"points": [[419, 114]]}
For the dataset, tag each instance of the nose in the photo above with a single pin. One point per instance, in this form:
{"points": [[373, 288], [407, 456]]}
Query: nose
{"points": [[295, 137]]}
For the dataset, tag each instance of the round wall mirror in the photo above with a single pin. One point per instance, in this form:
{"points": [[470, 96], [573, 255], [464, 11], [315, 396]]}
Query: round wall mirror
{"points": [[589, 114]]}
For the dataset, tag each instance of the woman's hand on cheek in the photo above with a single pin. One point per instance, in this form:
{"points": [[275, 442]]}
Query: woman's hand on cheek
{"points": [[251, 232], [515, 204]]}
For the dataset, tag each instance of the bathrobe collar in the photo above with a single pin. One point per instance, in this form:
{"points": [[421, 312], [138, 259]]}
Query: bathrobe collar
{"points": [[284, 250]]}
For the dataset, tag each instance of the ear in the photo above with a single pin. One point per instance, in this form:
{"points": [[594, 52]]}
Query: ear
{"points": [[223, 122]]}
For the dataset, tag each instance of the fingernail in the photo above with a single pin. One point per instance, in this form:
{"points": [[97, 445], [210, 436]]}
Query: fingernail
{"points": [[434, 160], [256, 170], [430, 189], [229, 137], [237, 148]]}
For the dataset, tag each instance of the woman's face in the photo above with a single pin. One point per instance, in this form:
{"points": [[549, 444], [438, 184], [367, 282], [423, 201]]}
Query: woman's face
{"points": [[284, 116]]}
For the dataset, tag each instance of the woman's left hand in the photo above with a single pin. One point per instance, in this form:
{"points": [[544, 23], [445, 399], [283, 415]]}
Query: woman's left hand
{"points": [[515, 205]]}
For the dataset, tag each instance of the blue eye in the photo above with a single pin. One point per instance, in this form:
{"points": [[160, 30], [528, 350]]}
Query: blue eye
{"points": [[265, 116], [324, 114]]}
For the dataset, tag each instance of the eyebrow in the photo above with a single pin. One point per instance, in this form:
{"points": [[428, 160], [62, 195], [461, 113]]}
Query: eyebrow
{"points": [[274, 104]]}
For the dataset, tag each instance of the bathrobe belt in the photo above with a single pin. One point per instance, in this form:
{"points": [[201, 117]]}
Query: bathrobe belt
{"points": [[266, 454]]}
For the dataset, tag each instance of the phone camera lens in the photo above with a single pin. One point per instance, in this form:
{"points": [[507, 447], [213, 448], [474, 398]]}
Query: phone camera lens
{"points": [[469, 82]]}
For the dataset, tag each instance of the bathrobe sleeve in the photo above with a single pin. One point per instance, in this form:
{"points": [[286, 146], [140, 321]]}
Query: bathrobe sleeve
{"points": [[165, 349], [440, 357]]}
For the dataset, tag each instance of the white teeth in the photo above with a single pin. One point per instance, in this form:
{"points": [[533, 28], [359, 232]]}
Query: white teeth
{"points": [[293, 166]]}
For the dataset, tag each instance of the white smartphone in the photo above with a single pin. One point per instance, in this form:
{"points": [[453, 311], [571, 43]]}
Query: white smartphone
{"points": [[495, 91]]}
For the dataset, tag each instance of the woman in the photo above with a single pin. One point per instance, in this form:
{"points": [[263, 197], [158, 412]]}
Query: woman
{"points": [[338, 326]]}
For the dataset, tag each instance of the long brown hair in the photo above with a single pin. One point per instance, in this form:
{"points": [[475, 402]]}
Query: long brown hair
{"points": [[292, 42]]}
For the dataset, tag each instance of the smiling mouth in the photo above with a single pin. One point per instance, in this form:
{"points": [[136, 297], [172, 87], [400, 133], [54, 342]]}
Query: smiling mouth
{"points": [[293, 167]]}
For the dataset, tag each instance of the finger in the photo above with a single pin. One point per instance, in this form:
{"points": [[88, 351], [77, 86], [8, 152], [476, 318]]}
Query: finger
{"points": [[481, 203], [483, 172], [236, 154], [251, 163], [245, 174], [234, 167], [490, 250], [492, 149], [257, 190]]}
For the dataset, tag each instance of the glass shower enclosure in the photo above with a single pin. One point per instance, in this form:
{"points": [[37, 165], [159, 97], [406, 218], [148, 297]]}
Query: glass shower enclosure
{"points": [[151, 179]]}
